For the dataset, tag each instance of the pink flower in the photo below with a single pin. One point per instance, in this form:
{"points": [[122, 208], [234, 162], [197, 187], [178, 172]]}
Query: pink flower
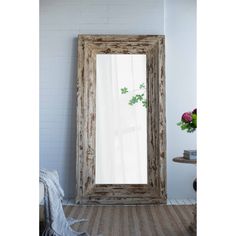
{"points": [[187, 117]]}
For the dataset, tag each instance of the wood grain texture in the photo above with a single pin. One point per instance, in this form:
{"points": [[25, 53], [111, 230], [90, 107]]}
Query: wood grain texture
{"points": [[148, 220], [87, 191], [193, 225]]}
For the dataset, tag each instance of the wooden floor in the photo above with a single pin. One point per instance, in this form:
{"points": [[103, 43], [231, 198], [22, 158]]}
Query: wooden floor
{"points": [[158, 220]]}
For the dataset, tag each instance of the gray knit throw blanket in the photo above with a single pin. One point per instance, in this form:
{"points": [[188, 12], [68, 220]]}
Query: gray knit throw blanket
{"points": [[56, 224]]}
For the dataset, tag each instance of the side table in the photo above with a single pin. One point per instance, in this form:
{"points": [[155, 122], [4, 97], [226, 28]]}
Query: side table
{"points": [[183, 160], [193, 224]]}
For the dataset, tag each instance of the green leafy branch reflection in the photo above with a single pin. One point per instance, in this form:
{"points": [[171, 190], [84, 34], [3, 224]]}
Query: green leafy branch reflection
{"points": [[137, 98]]}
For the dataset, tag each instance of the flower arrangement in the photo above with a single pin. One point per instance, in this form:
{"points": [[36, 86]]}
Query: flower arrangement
{"points": [[189, 121]]}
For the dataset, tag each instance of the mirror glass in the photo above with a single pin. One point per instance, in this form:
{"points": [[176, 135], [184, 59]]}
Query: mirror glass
{"points": [[121, 119]]}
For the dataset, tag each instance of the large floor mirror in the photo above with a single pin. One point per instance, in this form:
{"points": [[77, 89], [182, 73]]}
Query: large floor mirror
{"points": [[121, 119], [121, 137]]}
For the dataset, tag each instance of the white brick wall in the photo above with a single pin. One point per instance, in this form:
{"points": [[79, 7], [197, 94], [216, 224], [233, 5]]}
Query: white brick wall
{"points": [[60, 23], [180, 31]]}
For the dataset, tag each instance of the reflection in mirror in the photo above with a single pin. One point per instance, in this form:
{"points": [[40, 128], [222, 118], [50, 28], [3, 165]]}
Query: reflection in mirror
{"points": [[121, 119]]}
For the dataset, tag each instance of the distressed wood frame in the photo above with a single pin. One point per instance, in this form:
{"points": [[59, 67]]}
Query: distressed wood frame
{"points": [[87, 191]]}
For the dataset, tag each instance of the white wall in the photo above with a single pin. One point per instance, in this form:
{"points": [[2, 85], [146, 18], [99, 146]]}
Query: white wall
{"points": [[180, 31], [60, 23]]}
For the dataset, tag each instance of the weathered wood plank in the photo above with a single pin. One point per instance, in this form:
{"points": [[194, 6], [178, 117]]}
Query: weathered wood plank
{"points": [[155, 220]]}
